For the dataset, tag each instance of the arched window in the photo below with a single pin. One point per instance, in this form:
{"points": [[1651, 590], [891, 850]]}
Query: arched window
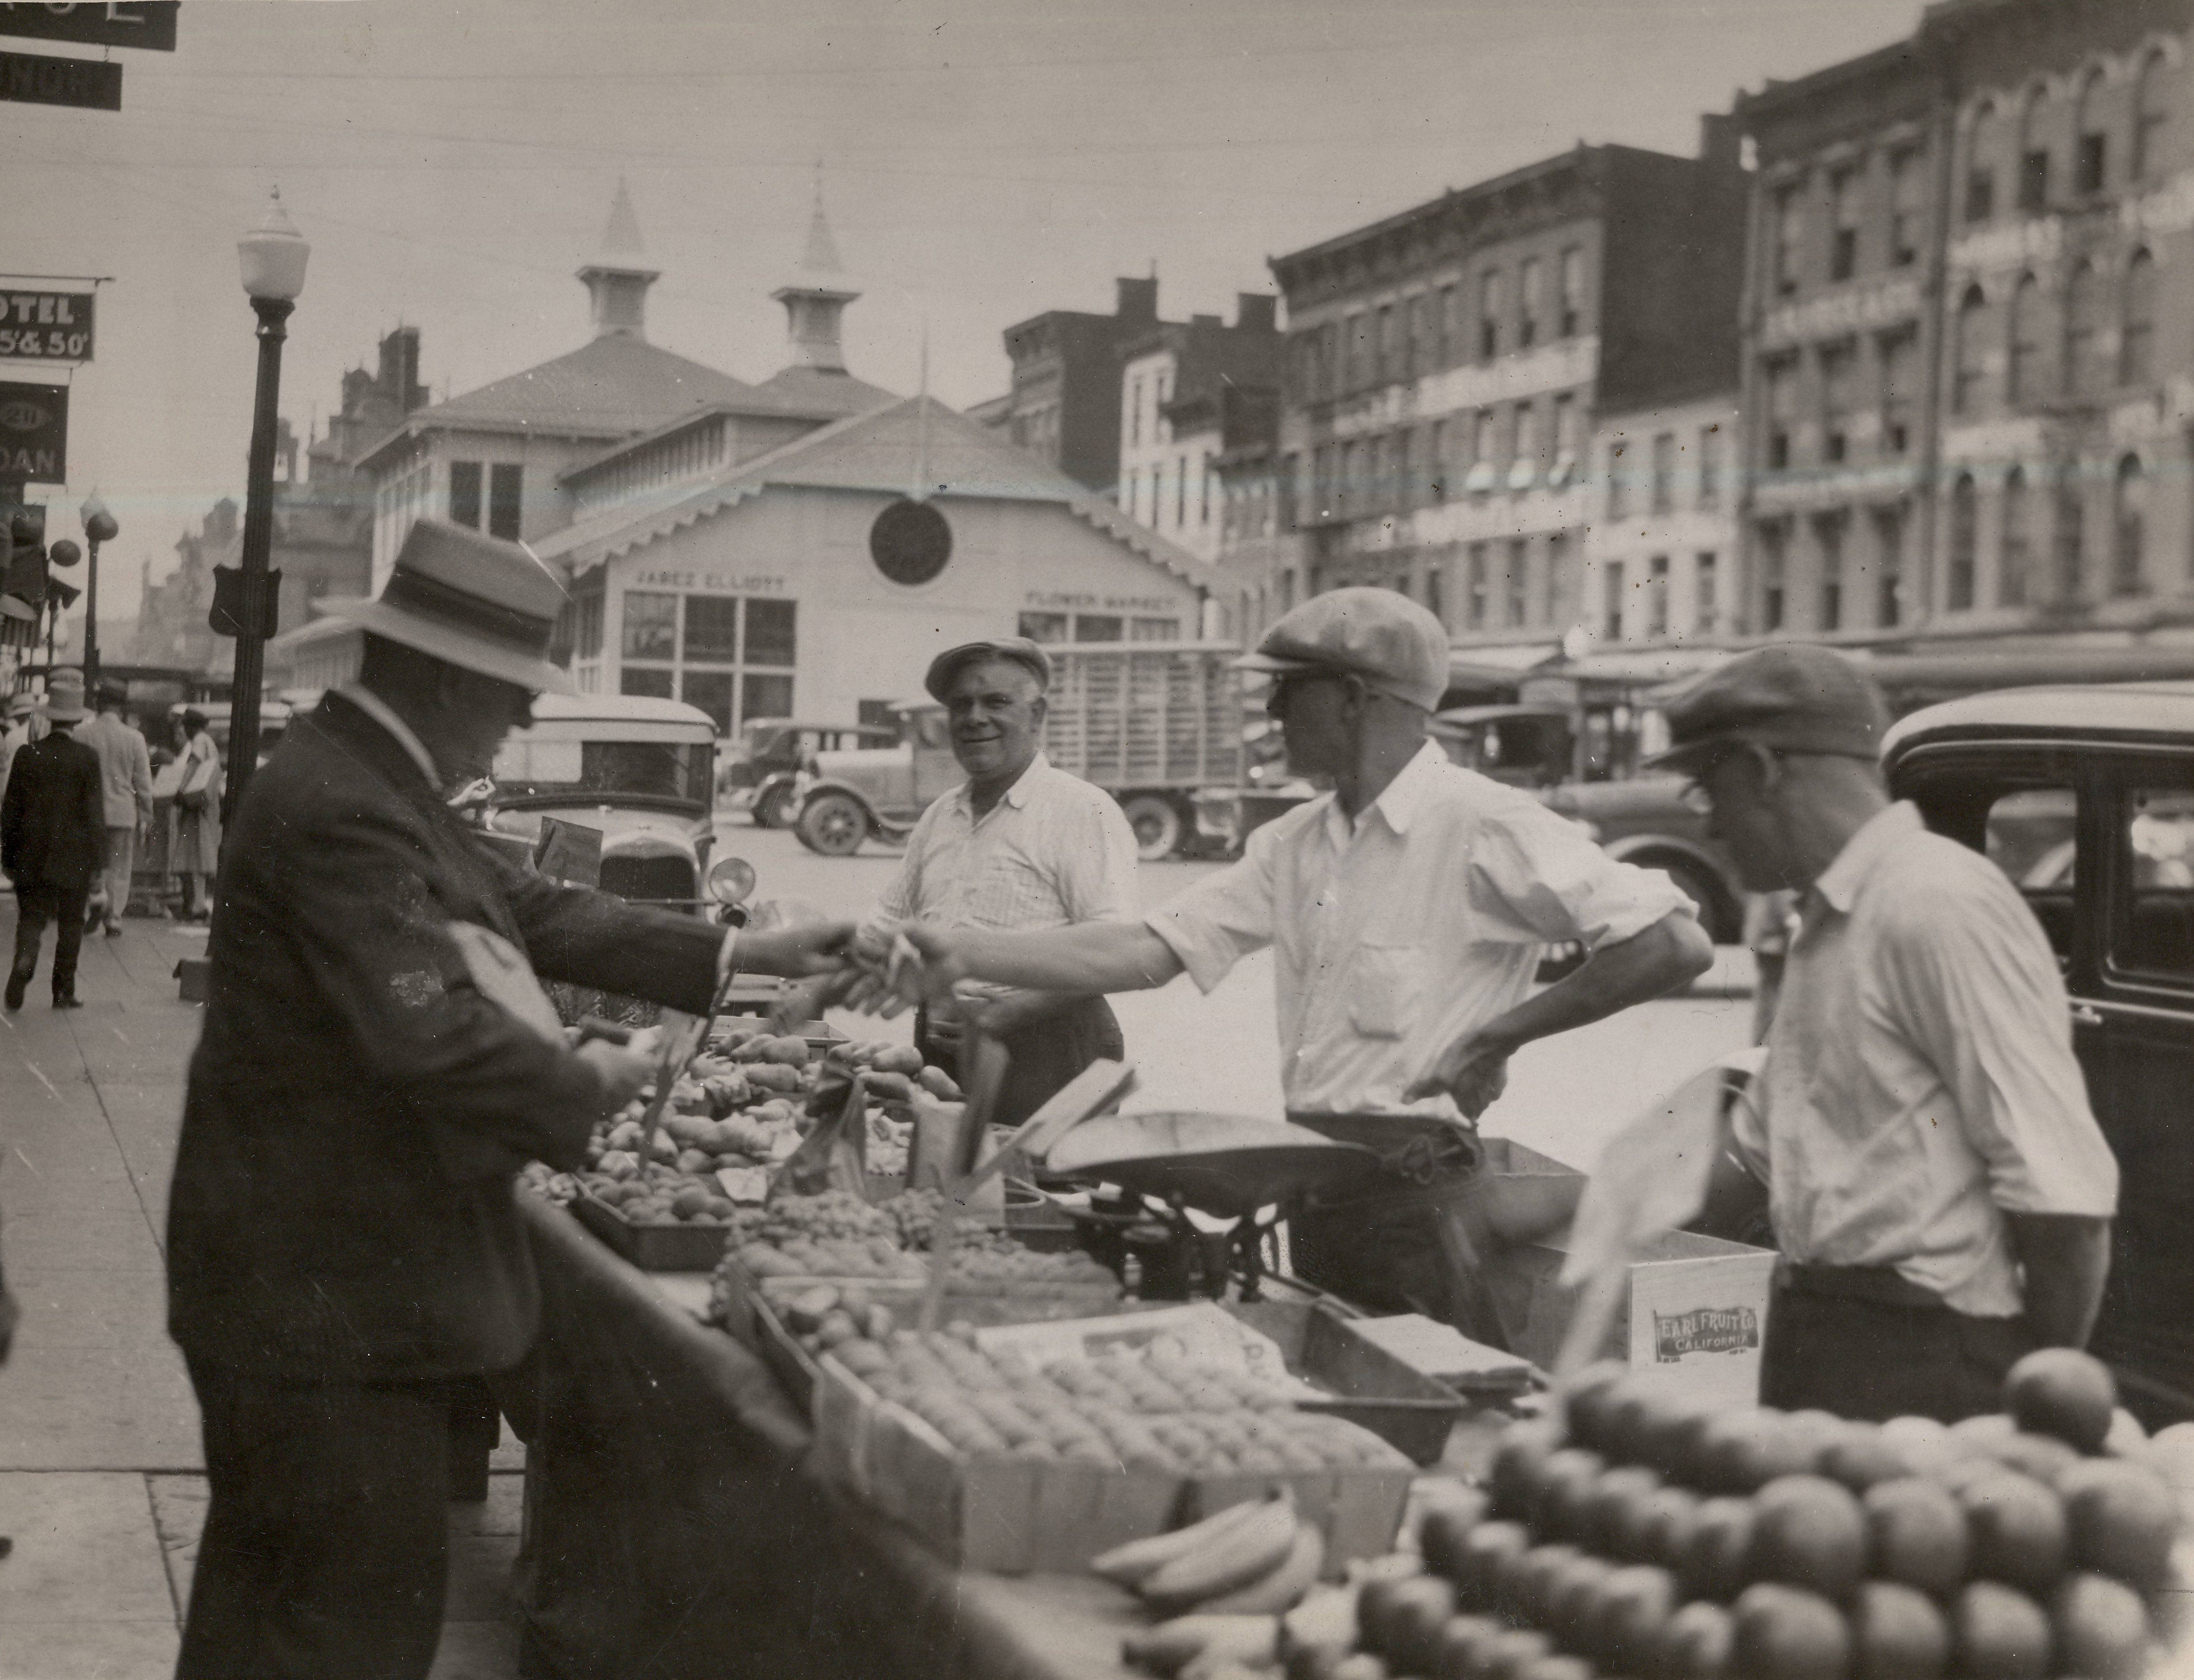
{"points": [[2026, 341], [1969, 351], [1965, 525], [2137, 328], [2068, 538], [2084, 376], [1982, 141], [2034, 151], [2129, 527], [2151, 114], [2091, 147], [2016, 561]]}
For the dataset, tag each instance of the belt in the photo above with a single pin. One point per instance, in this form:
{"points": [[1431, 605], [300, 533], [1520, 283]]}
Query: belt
{"points": [[1882, 1285]]}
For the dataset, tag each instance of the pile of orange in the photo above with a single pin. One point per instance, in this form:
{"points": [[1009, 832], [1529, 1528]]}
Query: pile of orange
{"points": [[1646, 1535]]}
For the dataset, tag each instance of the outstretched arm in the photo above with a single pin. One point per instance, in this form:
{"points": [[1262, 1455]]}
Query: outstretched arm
{"points": [[1085, 961]]}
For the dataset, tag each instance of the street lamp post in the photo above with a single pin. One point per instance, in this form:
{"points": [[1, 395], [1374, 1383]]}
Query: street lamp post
{"points": [[99, 526], [272, 258]]}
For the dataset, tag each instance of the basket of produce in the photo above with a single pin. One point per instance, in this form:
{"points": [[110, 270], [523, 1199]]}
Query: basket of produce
{"points": [[1644, 1533], [680, 1226]]}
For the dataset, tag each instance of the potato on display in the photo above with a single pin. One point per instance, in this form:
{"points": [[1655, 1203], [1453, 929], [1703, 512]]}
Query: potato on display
{"points": [[900, 1058]]}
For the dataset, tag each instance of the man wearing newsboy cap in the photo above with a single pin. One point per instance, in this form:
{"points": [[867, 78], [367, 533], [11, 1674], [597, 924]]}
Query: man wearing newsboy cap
{"points": [[1408, 909], [344, 1258], [1939, 1190], [1019, 845]]}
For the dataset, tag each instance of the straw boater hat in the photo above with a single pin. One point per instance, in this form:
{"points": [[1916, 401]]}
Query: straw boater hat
{"points": [[470, 600], [64, 697]]}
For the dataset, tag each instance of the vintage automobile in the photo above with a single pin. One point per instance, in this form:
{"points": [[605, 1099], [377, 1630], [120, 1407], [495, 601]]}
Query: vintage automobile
{"points": [[629, 785], [767, 772], [2084, 796], [876, 792]]}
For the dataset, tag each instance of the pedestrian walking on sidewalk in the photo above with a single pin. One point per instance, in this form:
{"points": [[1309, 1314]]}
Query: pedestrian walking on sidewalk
{"points": [[345, 1252], [52, 841], [125, 774], [198, 817], [1940, 1191]]}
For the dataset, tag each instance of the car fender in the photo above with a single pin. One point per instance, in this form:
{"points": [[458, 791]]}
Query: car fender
{"points": [[822, 785], [1644, 850]]}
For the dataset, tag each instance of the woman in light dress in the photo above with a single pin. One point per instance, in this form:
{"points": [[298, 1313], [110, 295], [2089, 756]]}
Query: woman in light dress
{"points": [[198, 833]]}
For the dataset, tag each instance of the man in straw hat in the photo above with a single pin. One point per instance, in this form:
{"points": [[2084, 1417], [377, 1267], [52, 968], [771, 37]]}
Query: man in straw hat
{"points": [[344, 1254], [52, 841], [1939, 1189], [1408, 910]]}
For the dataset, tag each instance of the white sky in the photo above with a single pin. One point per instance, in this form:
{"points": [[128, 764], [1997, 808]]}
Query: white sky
{"points": [[983, 160]]}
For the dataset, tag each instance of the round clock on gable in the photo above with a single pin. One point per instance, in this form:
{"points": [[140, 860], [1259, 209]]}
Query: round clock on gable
{"points": [[910, 541]]}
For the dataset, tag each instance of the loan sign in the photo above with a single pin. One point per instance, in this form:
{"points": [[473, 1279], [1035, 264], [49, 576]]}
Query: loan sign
{"points": [[33, 79], [41, 326], [146, 23], [33, 432]]}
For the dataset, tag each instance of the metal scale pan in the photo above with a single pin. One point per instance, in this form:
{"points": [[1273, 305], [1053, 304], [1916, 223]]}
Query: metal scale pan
{"points": [[1228, 1165]]}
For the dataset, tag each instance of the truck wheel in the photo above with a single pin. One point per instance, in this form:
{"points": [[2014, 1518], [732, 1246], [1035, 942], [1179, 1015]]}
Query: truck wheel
{"points": [[778, 808], [833, 824], [1157, 823]]}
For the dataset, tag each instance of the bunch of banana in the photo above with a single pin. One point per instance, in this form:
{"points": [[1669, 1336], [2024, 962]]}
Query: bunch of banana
{"points": [[1254, 1559]]}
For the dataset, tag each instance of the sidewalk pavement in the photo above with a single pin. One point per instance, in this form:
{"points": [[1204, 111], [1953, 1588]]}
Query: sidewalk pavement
{"points": [[101, 1477]]}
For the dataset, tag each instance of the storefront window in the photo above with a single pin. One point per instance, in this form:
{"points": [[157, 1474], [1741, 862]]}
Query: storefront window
{"points": [[711, 690], [712, 628], [1099, 627], [1044, 626], [771, 638], [651, 627], [1155, 630], [766, 695], [639, 679]]}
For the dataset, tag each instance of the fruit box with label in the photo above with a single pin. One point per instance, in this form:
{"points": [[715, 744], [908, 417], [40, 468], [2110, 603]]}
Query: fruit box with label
{"points": [[1696, 1306]]}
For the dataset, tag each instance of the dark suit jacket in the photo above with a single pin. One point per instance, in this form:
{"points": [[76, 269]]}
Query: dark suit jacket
{"points": [[53, 822], [342, 1207]]}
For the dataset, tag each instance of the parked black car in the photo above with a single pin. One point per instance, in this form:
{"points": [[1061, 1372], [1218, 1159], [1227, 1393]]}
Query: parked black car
{"points": [[2085, 797]]}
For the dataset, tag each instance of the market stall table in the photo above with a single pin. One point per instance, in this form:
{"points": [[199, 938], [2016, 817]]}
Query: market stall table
{"points": [[672, 1530]]}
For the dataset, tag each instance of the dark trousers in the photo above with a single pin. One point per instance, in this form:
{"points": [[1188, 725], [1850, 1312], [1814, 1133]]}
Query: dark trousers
{"points": [[324, 1555], [1045, 1056], [1875, 1359], [38, 903]]}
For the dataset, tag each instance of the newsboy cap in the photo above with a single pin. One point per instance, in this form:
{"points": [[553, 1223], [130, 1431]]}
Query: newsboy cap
{"points": [[1789, 699], [1019, 650], [1394, 645]]}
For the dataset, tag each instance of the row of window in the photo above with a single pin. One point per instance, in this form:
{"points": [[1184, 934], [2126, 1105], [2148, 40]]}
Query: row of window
{"points": [[2020, 504], [1516, 446], [703, 650], [1519, 582], [2103, 331], [1870, 216], [1097, 627], [1162, 498], [1847, 586], [1651, 613], [1878, 374], [1442, 328], [504, 485]]}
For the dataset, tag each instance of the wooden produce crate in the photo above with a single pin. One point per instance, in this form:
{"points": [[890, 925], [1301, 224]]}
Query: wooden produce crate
{"points": [[979, 1302], [671, 1245], [981, 1510], [1362, 1381]]}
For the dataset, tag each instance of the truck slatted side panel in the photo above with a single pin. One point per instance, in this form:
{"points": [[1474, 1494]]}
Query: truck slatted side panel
{"points": [[1145, 716]]}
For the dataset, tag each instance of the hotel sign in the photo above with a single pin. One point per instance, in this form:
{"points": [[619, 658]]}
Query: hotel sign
{"points": [[149, 25], [43, 326], [1857, 309]]}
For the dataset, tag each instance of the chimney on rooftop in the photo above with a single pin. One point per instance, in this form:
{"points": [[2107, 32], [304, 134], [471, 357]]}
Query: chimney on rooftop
{"points": [[1255, 311], [1138, 300], [1719, 143]]}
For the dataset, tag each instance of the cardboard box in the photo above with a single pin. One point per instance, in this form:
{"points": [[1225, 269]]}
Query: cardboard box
{"points": [[1696, 1308]]}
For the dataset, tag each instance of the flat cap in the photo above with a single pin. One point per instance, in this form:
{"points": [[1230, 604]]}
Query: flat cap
{"points": [[1398, 648], [1794, 698], [1019, 649]]}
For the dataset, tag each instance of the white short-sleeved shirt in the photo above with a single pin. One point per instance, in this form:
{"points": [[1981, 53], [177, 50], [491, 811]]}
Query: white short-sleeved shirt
{"points": [[1396, 934], [1920, 1082], [1055, 851]]}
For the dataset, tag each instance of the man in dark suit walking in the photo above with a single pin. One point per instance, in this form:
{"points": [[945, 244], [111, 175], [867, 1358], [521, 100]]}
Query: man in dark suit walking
{"points": [[52, 841], [344, 1250]]}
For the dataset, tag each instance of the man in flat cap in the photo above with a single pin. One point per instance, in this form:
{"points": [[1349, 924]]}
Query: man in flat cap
{"points": [[1408, 907], [345, 1258], [1940, 1191], [1018, 846]]}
